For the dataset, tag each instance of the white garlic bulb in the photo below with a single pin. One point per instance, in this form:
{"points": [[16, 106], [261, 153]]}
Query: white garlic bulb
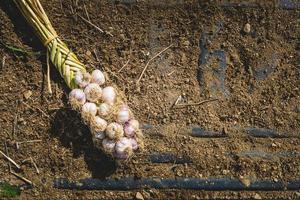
{"points": [[123, 114], [108, 145], [98, 77], [77, 98], [123, 148], [89, 110], [98, 124], [114, 131], [109, 95], [93, 92], [104, 109], [82, 79]]}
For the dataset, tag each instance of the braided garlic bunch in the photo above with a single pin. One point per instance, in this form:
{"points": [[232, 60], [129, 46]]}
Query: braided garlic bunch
{"points": [[110, 120]]}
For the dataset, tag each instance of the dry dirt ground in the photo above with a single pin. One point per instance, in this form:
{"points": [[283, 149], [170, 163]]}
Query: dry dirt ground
{"points": [[253, 73]]}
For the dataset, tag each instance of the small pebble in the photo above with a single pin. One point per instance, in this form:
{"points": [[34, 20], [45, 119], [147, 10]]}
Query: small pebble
{"points": [[27, 94], [139, 196], [247, 28], [257, 196]]}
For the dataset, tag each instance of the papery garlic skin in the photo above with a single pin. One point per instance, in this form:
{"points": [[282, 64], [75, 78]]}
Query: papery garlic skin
{"points": [[77, 98], [114, 131], [123, 115], [98, 124], [104, 109], [93, 92], [82, 79], [134, 123], [123, 148], [89, 110], [98, 77], [129, 130], [108, 145], [134, 144], [109, 95]]}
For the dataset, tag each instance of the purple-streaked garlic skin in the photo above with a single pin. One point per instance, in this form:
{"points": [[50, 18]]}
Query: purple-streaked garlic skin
{"points": [[82, 79], [123, 148], [114, 131], [98, 124], [122, 156], [100, 135], [77, 98], [134, 144], [104, 109], [109, 95], [98, 77], [108, 145], [134, 123], [129, 130], [93, 92]]}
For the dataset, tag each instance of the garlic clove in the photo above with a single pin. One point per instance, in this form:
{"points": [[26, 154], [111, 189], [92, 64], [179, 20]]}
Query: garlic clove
{"points": [[123, 148], [108, 145], [104, 109], [123, 116], [77, 98], [134, 144], [109, 95], [114, 131], [98, 124], [98, 77], [89, 110], [134, 123], [93, 92], [82, 79], [129, 130]]}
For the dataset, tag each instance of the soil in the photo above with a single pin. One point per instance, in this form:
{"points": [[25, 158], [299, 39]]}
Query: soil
{"points": [[257, 86]]}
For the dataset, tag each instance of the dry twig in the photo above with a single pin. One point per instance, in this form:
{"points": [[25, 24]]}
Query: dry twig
{"points": [[36, 108], [22, 178], [93, 25], [10, 160], [3, 62], [147, 64], [195, 104], [124, 66]]}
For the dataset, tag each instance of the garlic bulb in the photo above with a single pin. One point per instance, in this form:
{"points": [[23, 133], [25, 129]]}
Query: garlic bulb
{"points": [[108, 145], [134, 144], [123, 114], [123, 148], [82, 79], [114, 131], [109, 95], [104, 109], [129, 130], [98, 124], [98, 77], [88, 111], [134, 123], [77, 98], [93, 92]]}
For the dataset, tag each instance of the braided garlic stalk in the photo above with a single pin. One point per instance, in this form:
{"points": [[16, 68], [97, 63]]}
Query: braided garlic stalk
{"points": [[110, 120]]}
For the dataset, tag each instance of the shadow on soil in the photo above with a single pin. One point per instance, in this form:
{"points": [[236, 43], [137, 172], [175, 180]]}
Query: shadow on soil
{"points": [[75, 135], [67, 125]]}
